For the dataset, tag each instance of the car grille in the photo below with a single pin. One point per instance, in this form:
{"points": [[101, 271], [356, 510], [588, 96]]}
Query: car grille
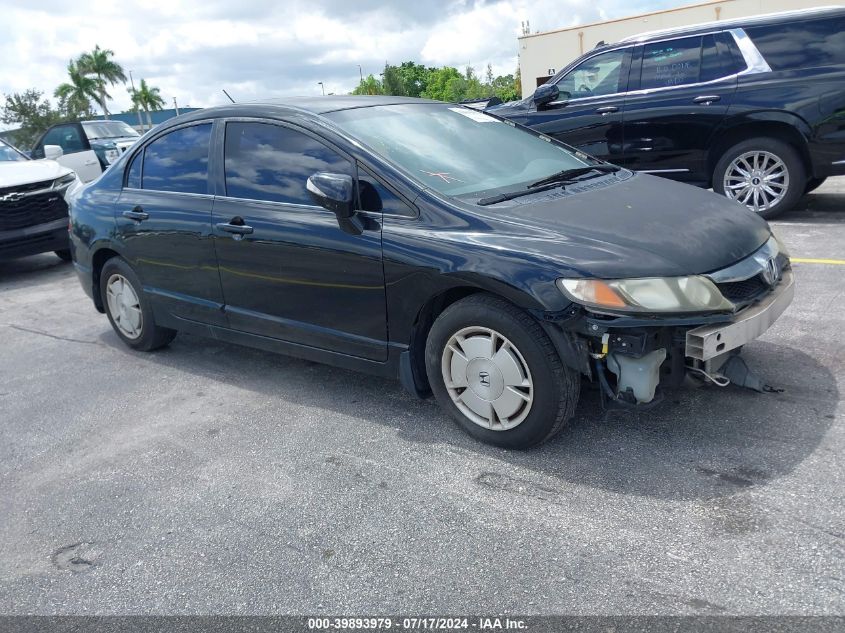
{"points": [[33, 186], [744, 291], [31, 210]]}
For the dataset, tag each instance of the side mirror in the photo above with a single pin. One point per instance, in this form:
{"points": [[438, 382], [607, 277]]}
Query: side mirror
{"points": [[545, 94], [53, 152], [335, 192]]}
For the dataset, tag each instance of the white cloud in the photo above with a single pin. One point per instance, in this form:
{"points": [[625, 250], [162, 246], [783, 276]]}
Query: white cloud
{"points": [[256, 49]]}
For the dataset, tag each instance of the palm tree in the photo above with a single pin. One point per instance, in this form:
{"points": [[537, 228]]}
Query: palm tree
{"points": [[78, 92], [147, 98], [98, 63]]}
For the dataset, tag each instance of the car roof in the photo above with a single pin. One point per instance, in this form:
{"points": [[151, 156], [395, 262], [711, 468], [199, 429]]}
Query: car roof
{"points": [[756, 20], [314, 106]]}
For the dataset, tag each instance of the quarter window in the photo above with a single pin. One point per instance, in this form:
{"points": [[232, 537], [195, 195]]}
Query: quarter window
{"points": [[374, 196], [178, 161], [672, 63], [805, 44], [133, 177], [594, 77], [273, 163]]}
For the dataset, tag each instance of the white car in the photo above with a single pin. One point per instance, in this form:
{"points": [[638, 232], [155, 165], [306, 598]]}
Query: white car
{"points": [[33, 211]]}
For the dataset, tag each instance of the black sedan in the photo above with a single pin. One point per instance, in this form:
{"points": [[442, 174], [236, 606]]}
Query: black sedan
{"points": [[470, 257]]}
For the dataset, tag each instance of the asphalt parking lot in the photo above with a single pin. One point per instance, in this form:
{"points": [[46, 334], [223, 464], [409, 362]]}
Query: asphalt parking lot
{"points": [[208, 478]]}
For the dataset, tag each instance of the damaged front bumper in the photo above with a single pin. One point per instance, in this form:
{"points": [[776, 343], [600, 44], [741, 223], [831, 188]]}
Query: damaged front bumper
{"points": [[630, 357]]}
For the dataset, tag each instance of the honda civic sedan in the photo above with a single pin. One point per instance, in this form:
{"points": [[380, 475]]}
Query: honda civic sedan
{"points": [[471, 258]]}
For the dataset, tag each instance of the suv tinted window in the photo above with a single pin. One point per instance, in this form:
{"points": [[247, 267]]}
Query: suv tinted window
{"points": [[273, 163], [672, 63], [594, 77], [805, 44], [178, 161]]}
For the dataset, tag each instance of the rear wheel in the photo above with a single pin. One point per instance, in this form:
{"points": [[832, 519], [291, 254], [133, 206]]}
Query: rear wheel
{"points": [[492, 367], [128, 310], [765, 174]]}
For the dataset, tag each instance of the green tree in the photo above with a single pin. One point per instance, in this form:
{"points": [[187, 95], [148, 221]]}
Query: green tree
{"points": [[392, 83], [147, 98], [506, 88], [369, 86], [99, 63], [439, 86], [414, 78], [31, 113], [78, 91]]}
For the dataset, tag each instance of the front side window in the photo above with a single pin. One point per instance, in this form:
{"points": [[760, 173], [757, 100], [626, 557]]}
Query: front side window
{"points": [[178, 161], [672, 63], [456, 150], [594, 77], [272, 163], [65, 136]]}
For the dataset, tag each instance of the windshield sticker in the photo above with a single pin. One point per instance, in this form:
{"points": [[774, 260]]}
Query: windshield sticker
{"points": [[443, 175], [475, 115]]}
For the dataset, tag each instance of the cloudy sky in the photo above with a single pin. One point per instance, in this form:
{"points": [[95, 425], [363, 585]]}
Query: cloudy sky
{"points": [[258, 48]]}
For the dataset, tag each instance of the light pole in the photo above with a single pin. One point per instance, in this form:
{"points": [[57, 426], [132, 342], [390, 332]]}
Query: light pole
{"points": [[360, 73], [322, 87], [137, 111]]}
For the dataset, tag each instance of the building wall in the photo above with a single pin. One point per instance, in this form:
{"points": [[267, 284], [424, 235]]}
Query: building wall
{"points": [[543, 54]]}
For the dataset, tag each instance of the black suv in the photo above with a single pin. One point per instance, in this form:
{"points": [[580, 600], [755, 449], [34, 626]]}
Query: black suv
{"points": [[754, 107]]}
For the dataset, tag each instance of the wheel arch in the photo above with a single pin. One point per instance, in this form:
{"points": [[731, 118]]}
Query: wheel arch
{"points": [[98, 260], [781, 126]]}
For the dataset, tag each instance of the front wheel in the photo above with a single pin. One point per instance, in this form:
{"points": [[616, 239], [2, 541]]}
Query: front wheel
{"points": [[492, 367], [765, 174], [129, 312]]}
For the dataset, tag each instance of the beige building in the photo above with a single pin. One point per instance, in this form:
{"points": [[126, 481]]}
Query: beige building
{"points": [[541, 55]]}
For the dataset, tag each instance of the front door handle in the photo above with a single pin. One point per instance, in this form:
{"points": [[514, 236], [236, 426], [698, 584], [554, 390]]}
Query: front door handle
{"points": [[235, 226], [607, 110], [707, 99], [138, 214]]}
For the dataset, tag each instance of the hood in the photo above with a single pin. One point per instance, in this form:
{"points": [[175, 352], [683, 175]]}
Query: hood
{"points": [[637, 226], [24, 172]]}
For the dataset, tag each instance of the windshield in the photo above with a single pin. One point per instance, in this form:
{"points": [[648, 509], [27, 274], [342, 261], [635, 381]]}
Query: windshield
{"points": [[454, 150], [108, 129], [9, 153]]}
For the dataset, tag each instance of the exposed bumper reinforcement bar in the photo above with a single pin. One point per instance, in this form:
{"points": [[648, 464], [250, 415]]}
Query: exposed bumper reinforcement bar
{"points": [[709, 341]]}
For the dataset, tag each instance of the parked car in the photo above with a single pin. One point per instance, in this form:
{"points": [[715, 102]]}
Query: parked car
{"points": [[33, 211], [88, 147], [753, 107], [468, 256]]}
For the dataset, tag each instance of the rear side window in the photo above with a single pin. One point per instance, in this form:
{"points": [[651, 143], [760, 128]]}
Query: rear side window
{"points": [[178, 161], [672, 63], [272, 163], [805, 44]]}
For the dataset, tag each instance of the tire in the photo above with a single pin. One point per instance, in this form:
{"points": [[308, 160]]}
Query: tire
{"points": [[64, 255], [813, 184], [134, 323], [789, 188], [524, 352]]}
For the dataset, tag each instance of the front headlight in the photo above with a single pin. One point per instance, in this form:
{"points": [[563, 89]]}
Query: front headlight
{"points": [[653, 294], [64, 181]]}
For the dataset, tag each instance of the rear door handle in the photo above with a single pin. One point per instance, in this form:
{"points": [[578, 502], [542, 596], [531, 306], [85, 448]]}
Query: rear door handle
{"points": [[607, 110], [707, 99], [138, 214]]}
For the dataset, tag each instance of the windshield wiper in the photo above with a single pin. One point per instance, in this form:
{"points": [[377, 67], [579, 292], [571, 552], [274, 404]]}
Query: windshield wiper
{"points": [[501, 197], [567, 175]]}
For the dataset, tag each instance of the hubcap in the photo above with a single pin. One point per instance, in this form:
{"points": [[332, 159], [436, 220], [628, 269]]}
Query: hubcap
{"points": [[759, 180], [487, 378], [124, 307]]}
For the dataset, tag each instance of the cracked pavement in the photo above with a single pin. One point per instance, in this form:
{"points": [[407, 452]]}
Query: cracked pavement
{"points": [[208, 478]]}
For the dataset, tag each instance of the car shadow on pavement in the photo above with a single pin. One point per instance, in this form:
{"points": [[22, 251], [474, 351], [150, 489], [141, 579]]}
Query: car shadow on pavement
{"points": [[25, 269], [699, 443], [816, 207]]}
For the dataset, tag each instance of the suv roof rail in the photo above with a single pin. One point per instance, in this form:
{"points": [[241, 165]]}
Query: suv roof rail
{"points": [[734, 22]]}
